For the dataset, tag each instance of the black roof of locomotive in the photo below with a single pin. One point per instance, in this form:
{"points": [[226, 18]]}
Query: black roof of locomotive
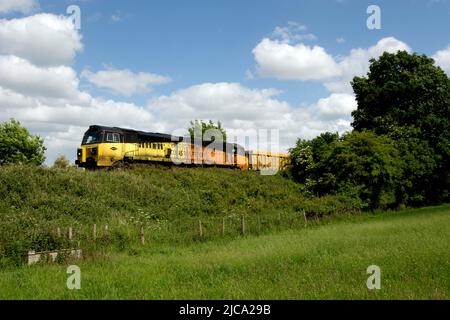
{"points": [[151, 136], [141, 134]]}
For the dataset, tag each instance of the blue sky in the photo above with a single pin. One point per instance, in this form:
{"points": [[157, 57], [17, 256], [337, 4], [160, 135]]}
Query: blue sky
{"points": [[211, 41], [155, 65]]}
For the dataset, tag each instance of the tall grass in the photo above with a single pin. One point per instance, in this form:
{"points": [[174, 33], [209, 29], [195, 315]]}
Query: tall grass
{"points": [[167, 202], [411, 248]]}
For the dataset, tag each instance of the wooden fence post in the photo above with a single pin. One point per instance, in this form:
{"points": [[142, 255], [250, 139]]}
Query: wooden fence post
{"points": [[94, 232], [70, 233], [142, 235], [58, 232], [200, 228], [304, 217], [243, 225], [223, 226]]}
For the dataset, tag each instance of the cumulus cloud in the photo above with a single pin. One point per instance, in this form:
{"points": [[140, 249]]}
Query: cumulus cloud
{"points": [[223, 101], [43, 39], [294, 62], [24, 6], [357, 62], [442, 58], [23, 77], [244, 111], [336, 106], [124, 82], [301, 62]]}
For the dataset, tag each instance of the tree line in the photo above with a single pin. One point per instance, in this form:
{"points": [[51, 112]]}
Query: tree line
{"points": [[399, 150]]}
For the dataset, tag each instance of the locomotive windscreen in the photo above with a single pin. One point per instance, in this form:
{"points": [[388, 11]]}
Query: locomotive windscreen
{"points": [[92, 137]]}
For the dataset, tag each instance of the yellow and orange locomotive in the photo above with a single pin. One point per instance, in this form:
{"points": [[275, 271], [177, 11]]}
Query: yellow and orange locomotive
{"points": [[110, 146]]}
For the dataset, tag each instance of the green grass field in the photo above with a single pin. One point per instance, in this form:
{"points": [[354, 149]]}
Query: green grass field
{"points": [[412, 248]]}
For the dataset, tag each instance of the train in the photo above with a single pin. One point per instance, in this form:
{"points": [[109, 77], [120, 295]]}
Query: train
{"points": [[109, 147]]}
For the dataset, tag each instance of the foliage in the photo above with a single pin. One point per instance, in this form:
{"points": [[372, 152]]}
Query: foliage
{"points": [[61, 162], [17, 145], [359, 164], [208, 130], [407, 97], [399, 151], [167, 201]]}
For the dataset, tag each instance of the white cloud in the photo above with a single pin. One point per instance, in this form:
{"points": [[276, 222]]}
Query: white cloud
{"points": [[43, 39], [301, 62], [221, 101], [336, 106], [292, 32], [23, 77], [243, 110], [24, 6], [294, 62], [124, 81], [442, 58], [357, 62]]}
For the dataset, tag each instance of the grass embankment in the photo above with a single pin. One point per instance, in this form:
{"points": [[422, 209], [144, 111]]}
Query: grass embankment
{"points": [[412, 248], [167, 202]]}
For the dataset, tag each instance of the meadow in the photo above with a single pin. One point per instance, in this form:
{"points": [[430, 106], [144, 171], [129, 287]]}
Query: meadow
{"points": [[293, 246], [326, 261]]}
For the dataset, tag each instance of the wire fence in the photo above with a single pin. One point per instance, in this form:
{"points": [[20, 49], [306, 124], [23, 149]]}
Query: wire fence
{"points": [[124, 234]]}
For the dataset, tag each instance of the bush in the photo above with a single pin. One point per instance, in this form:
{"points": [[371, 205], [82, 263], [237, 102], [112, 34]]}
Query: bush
{"points": [[61, 162], [360, 165]]}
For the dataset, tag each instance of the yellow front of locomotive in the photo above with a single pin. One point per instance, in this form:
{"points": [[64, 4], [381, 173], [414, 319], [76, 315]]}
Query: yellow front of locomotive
{"points": [[99, 149]]}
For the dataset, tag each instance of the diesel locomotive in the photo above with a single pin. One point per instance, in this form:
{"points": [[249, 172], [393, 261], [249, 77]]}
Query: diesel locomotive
{"points": [[111, 146]]}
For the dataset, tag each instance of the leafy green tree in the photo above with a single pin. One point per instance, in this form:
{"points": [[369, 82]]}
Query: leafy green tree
{"points": [[61, 162], [359, 164], [198, 126], [407, 97], [17, 145]]}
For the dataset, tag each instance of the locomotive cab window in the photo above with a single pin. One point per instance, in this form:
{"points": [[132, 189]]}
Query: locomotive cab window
{"points": [[92, 138], [113, 137]]}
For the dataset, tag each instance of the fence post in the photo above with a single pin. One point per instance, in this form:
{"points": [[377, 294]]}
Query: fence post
{"points": [[200, 228], [70, 233], [243, 225], [58, 232], [223, 226], [142, 235], [304, 217], [94, 232]]}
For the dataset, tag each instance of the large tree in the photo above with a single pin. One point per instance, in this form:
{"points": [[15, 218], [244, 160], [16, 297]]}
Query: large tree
{"points": [[17, 145], [406, 97]]}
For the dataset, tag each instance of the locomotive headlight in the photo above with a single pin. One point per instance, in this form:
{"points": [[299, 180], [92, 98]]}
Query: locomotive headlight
{"points": [[79, 153]]}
